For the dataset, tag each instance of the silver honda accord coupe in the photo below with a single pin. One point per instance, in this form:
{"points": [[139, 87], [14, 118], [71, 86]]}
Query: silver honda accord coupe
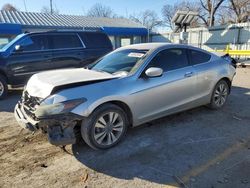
{"points": [[125, 88]]}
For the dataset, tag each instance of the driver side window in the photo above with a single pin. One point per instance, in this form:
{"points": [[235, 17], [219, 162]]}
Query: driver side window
{"points": [[170, 59], [35, 43]]}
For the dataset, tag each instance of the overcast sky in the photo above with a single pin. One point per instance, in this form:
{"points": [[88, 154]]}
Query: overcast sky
{"points": [[79, 7]]}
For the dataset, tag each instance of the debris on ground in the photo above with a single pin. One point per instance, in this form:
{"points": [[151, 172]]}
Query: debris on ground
{"points": [[84, 177]]}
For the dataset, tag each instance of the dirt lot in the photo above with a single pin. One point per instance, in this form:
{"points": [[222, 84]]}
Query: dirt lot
{"points": [[197, 148]]}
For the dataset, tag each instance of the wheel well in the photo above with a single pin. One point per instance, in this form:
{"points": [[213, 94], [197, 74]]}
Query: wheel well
{"points": [[123, 106], [4, 75], [228, 82]]}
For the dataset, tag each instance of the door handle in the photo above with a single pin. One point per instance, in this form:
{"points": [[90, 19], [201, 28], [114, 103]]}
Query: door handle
{"points": [[188, 74]]}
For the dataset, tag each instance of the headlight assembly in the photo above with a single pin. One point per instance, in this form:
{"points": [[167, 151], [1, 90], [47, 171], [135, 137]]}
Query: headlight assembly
{"points": [[58, 108]]}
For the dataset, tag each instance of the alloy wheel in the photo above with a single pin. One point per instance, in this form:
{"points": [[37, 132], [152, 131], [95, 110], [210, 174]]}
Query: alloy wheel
{"points": [[220, 95], [1, 88], [108, 128]]}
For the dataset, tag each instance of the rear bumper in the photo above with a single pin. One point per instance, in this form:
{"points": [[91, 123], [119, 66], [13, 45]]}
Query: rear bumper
{"points": [[59, 129]]}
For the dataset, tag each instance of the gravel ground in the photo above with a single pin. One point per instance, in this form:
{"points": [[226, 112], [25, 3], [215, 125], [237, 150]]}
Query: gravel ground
{"points": [[196, 148]]}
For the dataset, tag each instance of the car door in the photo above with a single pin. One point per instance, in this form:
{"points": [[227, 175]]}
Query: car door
{"points": [[173, 91], [68, 50], [204, 70], [33, 56]]}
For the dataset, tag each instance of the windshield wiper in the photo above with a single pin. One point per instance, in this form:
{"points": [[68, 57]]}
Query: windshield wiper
{"points": [[98, 70]]}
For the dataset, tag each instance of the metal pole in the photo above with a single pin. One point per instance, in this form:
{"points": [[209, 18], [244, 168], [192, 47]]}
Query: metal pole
{"points": [[51, 8], [148, 34], [24, 2]]}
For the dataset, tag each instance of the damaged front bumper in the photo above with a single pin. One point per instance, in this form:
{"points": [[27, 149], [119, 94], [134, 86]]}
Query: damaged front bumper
{"points": [[60, 129]]}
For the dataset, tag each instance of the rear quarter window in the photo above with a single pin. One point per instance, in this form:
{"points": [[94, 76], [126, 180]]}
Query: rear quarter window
{"points": [[95, 40], [198, 57]]}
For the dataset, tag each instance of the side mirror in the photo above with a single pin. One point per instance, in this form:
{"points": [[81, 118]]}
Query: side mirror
{"points": [[154, 72], [18, 48]]}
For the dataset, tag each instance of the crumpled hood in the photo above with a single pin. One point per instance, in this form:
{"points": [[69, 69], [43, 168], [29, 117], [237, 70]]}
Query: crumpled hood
{"points": [[41, 84]]}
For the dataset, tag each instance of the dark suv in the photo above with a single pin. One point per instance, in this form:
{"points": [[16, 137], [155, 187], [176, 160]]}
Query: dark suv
{"points": [[30, 53]]}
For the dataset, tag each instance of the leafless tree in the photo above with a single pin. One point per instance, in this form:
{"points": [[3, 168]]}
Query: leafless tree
{"points": [[208, 10], [241, 10], [100, 10], [148, 18], [47, 10], [234, 11], [168, 12], [223, 16], [9, 7]]}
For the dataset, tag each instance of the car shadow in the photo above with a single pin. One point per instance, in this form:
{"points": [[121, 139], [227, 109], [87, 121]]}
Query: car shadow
{"points": [[8, 104], [181, 150]]}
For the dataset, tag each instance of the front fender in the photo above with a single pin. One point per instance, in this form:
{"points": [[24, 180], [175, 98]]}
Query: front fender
{"points": [[87, 108]]}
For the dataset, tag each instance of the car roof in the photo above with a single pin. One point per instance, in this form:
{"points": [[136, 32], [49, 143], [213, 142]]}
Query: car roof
{"points": [[151, 46], [156, 45], [63, 31]]}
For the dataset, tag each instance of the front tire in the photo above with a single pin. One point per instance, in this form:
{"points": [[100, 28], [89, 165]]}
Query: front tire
{"points": [[220, 94], [3, 87], [105, 127]]}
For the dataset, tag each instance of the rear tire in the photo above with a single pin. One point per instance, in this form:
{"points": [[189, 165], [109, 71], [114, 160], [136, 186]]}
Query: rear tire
{"points": [[105, 127], [3, 87], [219, 96]]}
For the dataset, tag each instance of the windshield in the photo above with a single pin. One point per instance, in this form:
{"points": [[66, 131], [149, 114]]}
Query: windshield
{"points": [[4, 41], [120, 61], [5, 45]]}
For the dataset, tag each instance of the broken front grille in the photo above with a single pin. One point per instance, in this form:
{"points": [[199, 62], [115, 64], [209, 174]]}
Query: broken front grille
{"points": [[29, 103]]}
